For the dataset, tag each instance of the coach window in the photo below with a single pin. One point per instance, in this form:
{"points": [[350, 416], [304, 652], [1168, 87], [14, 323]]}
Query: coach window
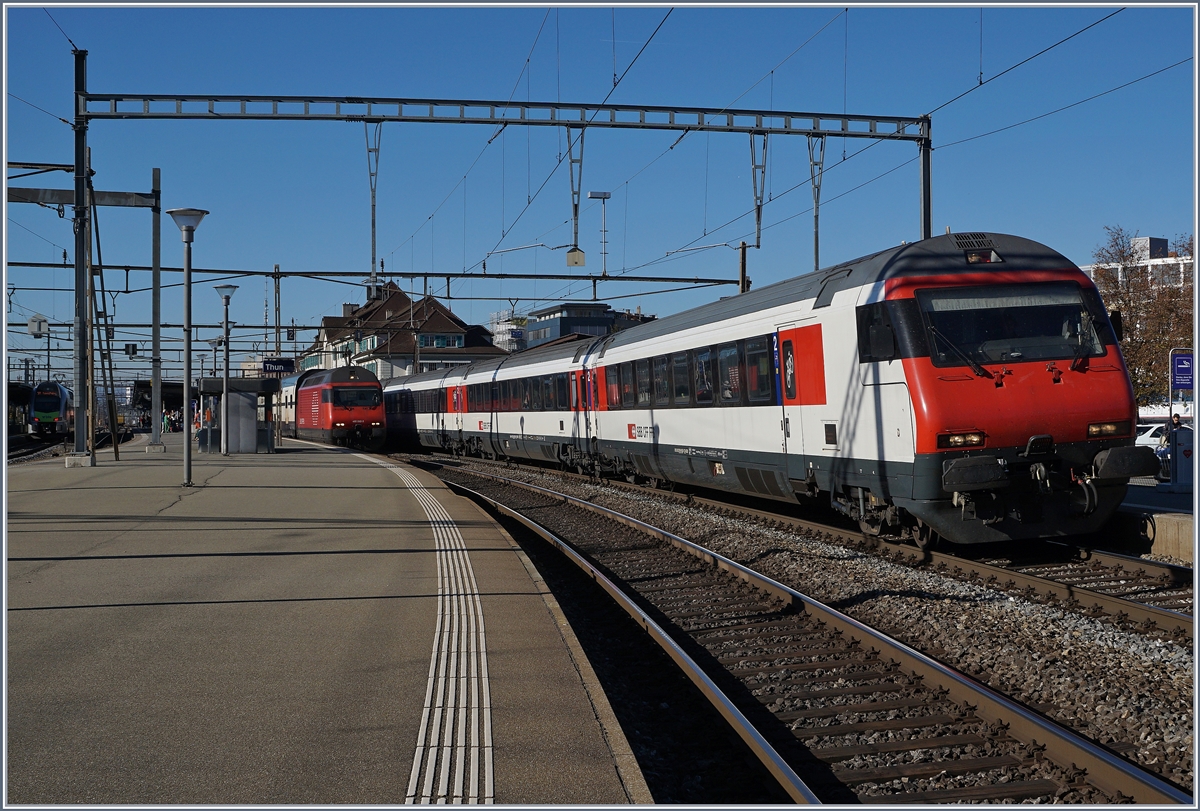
{"points": [[758, 370], [704, 376], [564, 392], [643, 383], [730, 374], [535, 393], [627, 395], [876, 335], [612, 383], [548, 400], [680, 375], [662, 385]]}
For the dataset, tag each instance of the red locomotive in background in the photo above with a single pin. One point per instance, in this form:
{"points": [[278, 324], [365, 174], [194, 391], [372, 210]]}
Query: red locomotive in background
{"points": [[342, 406]]}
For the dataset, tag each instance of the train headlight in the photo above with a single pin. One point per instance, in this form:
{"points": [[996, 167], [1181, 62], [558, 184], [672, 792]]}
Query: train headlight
{"points": [[969, 439], [377, 424], [339, 425], [1098, 429]]}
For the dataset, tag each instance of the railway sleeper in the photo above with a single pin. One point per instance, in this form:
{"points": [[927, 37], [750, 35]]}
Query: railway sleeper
{"points": [[792, 653], [835, 710], [858, 728], [1022, 790], [835, 754], [932, 768], [836, 692]]}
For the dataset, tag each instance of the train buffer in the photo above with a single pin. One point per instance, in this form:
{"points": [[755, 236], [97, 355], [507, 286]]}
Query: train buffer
{"points": [[309, 626]]}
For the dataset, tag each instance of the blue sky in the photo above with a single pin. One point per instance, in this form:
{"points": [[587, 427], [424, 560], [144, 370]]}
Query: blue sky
{"points": [[297, 193]]}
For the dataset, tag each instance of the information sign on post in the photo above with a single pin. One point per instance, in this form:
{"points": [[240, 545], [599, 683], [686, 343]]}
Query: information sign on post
{"points": [[1181, 370], [279, 365]]}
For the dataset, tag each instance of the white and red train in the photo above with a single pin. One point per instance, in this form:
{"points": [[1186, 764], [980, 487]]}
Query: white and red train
{"points": [[341, 406], [968, 387]]}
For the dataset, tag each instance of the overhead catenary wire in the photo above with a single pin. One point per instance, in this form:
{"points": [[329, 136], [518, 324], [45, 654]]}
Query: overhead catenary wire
{"points": [[36, 234], [905, 163], [501, 128], [559, 162], [873, 143], [1023, 61], [34, 106], [60, 28]]}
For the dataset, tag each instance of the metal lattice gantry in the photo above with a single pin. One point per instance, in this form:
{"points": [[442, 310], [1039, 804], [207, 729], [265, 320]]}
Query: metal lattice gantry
{"points": [[576, 118]]}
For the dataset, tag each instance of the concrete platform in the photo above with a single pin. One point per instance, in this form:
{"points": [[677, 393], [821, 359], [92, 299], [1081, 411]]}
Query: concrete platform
{"points": [[303, 627], [1169, 521]]}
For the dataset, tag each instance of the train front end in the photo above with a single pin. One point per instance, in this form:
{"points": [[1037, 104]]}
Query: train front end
{"points": [[341, 406], [51, 410], [356, 416], [1023, 411]]}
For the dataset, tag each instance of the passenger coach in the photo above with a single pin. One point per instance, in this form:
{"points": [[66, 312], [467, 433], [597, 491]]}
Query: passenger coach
{"points": [[968, 387]]}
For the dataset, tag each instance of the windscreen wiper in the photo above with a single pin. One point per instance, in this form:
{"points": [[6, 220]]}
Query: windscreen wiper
{"points": [[975, 367], [1085, 327]]}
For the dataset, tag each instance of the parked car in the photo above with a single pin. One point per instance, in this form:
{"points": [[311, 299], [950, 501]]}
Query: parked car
{"points": [[1151, 433]]}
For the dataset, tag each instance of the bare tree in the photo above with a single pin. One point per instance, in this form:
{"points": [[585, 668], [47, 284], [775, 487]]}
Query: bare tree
{"points": [[1155, 301]]}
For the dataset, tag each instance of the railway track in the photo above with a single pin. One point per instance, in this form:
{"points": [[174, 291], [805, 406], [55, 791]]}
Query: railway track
{"points": [[837, 711], [1134, 593], [31, 449]]}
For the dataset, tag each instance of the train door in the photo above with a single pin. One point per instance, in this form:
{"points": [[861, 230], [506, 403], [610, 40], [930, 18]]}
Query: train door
{"points": [[576, 380], [801, 381]]}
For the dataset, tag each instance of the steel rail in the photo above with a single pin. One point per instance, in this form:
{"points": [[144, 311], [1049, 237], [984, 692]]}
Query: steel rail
{"points": [[1178, 575], [1107, 771], [1147, 616], [774, 762]]}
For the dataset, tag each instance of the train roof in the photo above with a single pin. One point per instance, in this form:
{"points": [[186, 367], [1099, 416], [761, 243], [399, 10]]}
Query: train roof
{"points": [[946, 254], [528, 357], [340, 374]]}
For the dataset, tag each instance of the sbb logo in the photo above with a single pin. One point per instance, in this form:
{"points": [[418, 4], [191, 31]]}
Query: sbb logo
{"points": [[632, 431], [640, 431]]}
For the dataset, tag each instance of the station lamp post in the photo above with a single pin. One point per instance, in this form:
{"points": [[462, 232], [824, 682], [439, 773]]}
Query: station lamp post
{"points": [[225, 291], [187, 219]]}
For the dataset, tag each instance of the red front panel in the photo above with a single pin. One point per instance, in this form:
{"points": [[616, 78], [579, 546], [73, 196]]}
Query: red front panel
{"points": [[1020, 399]]}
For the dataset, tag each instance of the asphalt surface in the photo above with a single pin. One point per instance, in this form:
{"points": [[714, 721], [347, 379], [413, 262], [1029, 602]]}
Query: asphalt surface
{"points": [[265, 637]]}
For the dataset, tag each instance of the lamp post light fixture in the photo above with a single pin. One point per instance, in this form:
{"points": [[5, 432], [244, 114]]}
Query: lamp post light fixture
{"points": [[187, 219], [225, 291], [602, 196]]}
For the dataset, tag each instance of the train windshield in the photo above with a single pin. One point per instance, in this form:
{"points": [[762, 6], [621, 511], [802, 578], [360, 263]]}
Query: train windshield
{"points": [[46, 401], [1010, 322], [353, 396]]}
